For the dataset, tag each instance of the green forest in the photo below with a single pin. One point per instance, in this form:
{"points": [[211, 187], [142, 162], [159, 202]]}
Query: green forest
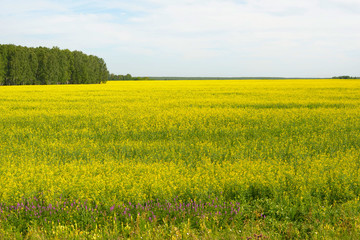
{"points": [[34, 66]]}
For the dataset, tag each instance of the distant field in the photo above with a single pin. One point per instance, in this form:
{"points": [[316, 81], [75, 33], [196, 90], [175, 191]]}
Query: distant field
{"points": [[183, 159]]}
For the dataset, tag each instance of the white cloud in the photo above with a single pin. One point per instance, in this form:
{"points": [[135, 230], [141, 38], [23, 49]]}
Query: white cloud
{"points": [[196, 37]]}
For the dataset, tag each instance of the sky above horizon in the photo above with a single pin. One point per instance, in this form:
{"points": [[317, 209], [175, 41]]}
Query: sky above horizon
{"points": [[208, 38]]}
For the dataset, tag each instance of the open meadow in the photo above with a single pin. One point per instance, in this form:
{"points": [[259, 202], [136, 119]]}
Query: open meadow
{"points": [[232, 159]]}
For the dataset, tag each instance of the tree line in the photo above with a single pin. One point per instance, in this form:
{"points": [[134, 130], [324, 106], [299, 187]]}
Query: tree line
{"points": [[32, 66], [126, 77], [345, 77]]}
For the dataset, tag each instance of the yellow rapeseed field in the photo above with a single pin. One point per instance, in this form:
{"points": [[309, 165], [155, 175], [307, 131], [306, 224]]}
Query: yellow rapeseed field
{"points": [[290, 141]]}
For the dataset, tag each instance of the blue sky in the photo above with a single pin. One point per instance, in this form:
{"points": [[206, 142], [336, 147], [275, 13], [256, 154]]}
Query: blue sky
{"points": [[308, 38]]}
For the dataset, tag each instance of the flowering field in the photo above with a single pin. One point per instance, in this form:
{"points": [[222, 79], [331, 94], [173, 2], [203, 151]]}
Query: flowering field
{"points": [[181, 159]]}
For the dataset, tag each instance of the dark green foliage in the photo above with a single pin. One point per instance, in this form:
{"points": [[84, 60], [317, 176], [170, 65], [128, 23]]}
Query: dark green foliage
{"points": [[345, 77], [24, 66], [3, 64], [126, 77], [113, 76]]}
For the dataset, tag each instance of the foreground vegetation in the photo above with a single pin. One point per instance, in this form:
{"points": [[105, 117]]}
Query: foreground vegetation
{"points": [[181, 159]]}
